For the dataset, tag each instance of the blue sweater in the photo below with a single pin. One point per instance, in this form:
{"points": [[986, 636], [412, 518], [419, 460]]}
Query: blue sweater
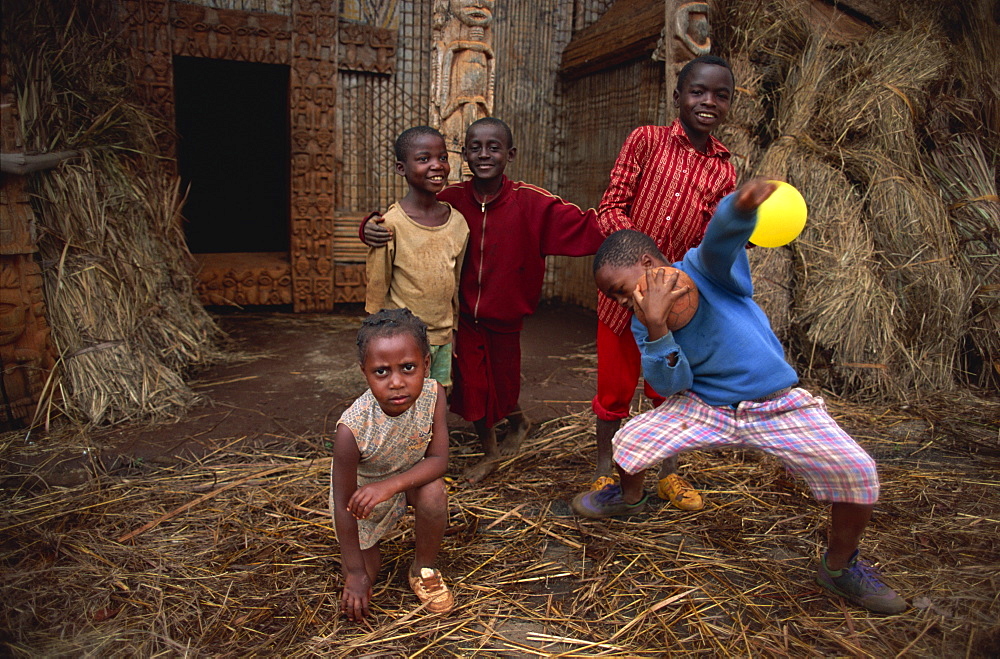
{"points": [[727, 353]]}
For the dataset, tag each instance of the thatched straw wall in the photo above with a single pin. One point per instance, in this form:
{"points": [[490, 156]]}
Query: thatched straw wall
{"points": [[883, 296], [119, 292]]}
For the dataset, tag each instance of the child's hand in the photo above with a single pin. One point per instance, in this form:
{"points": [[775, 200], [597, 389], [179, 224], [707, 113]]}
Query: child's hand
{"points": [[653, 306], [366, 497], [752, 194], [376, 234], [357, 593]]}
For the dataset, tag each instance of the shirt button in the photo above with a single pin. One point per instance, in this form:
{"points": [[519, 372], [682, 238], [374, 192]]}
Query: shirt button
{"points": [[668, 218], [677, 194]]}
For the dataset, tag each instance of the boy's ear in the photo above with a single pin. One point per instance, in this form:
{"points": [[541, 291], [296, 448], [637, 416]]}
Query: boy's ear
{"points": [[677, 96], [511, 152], [647, 260], [400, 168]]}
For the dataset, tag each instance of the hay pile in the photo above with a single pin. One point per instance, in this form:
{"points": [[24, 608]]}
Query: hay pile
{"points": [[118, 284], [888, 294], [233, 555]]}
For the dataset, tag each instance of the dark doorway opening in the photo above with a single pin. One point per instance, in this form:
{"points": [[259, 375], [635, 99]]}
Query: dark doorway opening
{"points": [[234, 152]]}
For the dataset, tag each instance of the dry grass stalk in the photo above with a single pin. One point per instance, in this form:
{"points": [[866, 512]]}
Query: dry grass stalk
{"points": [[841, 279], [254, 569], [969, 188]]}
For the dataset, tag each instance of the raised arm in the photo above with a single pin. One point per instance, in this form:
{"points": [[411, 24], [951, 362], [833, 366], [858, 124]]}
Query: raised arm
{"points": [[724, 244]]}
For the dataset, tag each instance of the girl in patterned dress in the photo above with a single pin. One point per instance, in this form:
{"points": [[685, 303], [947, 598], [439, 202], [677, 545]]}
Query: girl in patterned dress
{"points": [[390, 451]]}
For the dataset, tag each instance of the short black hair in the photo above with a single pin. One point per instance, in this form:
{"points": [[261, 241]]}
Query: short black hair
{"points": [[625, 248], [492, 121], [714, 60], [390, 322], [405, 140]]}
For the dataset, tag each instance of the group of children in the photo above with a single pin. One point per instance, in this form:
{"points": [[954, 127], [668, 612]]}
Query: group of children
{"points": [[453, 272]]}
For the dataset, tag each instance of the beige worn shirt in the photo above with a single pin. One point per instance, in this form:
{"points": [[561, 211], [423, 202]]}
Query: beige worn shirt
{"points": [[419, 269]]}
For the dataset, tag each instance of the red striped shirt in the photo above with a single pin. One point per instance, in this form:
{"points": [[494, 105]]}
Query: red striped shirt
{"points": [[664, 187]]}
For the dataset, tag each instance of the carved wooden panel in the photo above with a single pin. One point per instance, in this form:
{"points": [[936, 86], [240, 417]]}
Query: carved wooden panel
{"points": [[464, 72], [366, 48], [244, 278], [198, 31], [26, 351], [313, 96], [146, 26], [351, 280]]}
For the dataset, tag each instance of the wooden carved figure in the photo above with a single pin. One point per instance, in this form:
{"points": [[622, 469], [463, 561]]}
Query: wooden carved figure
{"points": [[464, 71]]}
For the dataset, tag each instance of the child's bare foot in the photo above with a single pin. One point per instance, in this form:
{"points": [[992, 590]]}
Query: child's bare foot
{"points": [[511, 444], [481, 469]]}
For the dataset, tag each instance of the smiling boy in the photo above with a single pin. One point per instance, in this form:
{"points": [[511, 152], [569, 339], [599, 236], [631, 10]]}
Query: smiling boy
{"points": [[419, 268], [666, 184]]}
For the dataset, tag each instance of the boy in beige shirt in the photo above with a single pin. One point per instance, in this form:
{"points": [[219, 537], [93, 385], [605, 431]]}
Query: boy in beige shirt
{"points": [[420, 266]]}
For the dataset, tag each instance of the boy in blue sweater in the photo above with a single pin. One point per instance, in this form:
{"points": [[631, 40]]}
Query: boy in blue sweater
{"points": [[728, 385]]}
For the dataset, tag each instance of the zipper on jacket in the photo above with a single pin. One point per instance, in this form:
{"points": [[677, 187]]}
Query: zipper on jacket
{"points": [[479, 275]]}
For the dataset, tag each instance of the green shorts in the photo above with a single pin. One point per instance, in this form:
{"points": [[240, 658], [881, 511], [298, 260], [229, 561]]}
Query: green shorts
{"points": [[441, 364]]}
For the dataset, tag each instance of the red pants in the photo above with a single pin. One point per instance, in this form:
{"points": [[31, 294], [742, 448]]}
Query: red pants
{"points": [[487, 372], [618, 370]]}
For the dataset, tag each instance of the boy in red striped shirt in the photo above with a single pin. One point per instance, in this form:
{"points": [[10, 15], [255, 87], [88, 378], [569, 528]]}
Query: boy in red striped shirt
{"points": [[665, 183]]}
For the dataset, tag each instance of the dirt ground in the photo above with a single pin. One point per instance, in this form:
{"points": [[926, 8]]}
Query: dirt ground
{"points": [[211, 536], [299, 372]]}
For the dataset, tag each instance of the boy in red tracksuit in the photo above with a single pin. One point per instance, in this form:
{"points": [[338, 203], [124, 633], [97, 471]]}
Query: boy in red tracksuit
{"points": [[665, 183], [513, 226]]}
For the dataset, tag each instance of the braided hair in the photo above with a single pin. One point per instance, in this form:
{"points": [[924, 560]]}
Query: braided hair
{"points": [[390, 322]]}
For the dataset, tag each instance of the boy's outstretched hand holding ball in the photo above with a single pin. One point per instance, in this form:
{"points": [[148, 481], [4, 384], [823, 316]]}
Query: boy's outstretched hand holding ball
{"points": [[753, 193]]}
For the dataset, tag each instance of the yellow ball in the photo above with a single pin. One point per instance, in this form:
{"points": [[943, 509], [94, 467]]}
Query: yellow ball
{"points": [[781, 218]]}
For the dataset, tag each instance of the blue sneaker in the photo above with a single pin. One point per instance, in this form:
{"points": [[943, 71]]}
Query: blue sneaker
{"points": [[861, 584], [606, 502]]}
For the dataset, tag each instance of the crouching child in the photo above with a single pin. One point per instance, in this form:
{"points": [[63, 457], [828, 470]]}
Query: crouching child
{"points": [[727, 384]]}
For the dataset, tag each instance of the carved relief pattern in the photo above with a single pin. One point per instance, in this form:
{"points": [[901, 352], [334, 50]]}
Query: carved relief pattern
{"points": [[198, 31], [377, 109], [264, 284], [147, 33], [367, 48], [464, 71], [26, 351], [313, 98], [283, 7]]}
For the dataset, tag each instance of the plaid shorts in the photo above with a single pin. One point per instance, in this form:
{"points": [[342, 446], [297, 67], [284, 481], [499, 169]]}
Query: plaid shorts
{"points": [[795, 427]]}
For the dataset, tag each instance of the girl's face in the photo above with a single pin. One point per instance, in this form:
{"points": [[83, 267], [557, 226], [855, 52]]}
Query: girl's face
{"points": [[395, 368]]}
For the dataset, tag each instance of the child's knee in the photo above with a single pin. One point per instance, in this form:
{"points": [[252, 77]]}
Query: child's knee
{"points": [[859, 479], [432, 497]]}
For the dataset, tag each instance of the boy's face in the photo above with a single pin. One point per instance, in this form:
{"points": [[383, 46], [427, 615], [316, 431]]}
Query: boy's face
{"points": [[426, 166], [618, 282], [703, 101], [486, 151]]}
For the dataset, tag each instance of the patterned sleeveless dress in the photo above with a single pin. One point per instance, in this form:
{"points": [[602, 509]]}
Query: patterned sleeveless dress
{"points": [[389, 445]]}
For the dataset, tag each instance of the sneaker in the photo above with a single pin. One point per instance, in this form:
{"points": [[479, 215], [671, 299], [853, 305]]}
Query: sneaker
{"points": [[601, 482], [606, 502], [430, 588], [679, 492], [861, 584]]}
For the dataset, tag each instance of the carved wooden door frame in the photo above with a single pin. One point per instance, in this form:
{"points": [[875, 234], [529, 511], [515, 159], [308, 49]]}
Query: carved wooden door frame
{"points": [[156, 30]]}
